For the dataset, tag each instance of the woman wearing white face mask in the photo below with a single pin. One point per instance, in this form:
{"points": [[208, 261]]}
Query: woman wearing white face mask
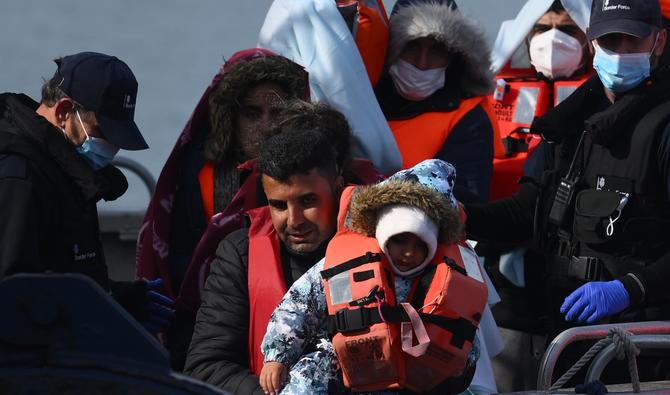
{"points": [[433, 92]]}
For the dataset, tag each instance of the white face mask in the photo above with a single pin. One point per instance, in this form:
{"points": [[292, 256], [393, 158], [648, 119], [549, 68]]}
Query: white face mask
{"points": [[555, 54], [416, 84]]}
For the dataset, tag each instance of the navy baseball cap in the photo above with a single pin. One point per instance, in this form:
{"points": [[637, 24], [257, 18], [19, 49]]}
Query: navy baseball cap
{"points": [[105, 85], [634, 17]]}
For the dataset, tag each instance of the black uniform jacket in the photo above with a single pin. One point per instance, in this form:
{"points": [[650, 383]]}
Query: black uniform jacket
{"points": [[512, 220], [48, 196], [219, 348]]}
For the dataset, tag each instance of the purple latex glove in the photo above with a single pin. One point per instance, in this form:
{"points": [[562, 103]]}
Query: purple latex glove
{"points": [[595, 300]]}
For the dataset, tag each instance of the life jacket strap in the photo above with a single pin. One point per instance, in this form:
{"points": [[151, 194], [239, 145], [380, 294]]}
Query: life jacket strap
{"points": [[356, 320], [369, 257], [414, 328], [454, 266]]}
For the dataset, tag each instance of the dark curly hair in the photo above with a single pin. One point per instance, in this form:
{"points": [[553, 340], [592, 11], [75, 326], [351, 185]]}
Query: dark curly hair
{"points": [[319, 117], [297, 152], [223, 101]]}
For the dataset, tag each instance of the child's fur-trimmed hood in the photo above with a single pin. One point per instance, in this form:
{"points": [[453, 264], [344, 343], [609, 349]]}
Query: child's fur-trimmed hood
{"points": [[367, 201]]}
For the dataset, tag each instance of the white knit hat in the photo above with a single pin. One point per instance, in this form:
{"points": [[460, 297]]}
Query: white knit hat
{"points": [[400, 218]]}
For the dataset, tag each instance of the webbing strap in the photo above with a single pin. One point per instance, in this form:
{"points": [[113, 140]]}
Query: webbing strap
{"points": [[454, 266], [350, 264], [354, 320], [411, 329]]}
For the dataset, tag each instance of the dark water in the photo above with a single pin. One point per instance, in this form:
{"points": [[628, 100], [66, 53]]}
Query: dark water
{"points": [[173, 46]]}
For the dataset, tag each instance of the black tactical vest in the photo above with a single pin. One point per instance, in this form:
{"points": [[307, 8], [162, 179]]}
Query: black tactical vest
{"points": [[621, 212]]}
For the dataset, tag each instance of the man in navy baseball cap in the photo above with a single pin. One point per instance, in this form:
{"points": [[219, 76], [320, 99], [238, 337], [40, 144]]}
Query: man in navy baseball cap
{"points": [[106, 86], [628, 38], [55, 165]]}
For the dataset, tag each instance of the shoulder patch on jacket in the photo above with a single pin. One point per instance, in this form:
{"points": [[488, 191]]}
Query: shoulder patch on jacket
{"points": [[13, 166]]}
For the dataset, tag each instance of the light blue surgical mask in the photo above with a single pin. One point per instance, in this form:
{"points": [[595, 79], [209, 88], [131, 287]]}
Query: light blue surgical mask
{"points": [[621, 72], [97, 152]]}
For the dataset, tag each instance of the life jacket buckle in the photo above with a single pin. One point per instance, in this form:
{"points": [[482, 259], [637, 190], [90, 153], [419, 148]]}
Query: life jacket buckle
{"points": [[517, 143], [351, 320], [585, 268]]}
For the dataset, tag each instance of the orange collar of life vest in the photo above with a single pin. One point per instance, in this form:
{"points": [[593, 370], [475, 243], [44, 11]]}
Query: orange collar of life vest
{"points": [[266, 283], [432, 129]]}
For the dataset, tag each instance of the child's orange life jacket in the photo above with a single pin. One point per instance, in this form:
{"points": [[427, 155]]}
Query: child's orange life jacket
{"points": [[374, 335]]}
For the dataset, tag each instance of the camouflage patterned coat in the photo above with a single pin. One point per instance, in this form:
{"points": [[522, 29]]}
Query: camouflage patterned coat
{"points": [[297, 336]]}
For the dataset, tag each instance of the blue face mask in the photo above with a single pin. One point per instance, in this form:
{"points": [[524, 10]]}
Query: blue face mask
{"points": [[97, 152], [621, 72]]}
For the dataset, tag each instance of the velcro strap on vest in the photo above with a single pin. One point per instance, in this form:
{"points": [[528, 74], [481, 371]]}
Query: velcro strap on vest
{"points": [[350, 264], [355, 320]]}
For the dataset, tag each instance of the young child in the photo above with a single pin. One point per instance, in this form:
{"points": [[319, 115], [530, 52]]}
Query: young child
{"points": [[409, 214]]}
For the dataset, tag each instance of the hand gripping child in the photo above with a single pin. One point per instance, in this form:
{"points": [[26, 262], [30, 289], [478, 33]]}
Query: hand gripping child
{"points": [[410, 215]]}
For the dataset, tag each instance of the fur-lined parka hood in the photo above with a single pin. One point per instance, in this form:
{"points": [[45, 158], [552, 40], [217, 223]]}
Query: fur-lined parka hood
{"points": [[459, 34], [236, 77], [368, 200]]}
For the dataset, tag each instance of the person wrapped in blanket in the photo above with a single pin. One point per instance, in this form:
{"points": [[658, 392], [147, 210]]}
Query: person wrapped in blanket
{"points": [[409, 214]]}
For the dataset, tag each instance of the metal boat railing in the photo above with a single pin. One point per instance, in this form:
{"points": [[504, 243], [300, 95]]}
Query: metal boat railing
{"points": [[120, 228], [127, 223], [654, 332], [136, 167]]}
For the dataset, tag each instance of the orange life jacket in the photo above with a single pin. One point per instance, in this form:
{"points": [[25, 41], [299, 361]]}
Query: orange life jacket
{"points": [[266, 282], [371, 33], [423, 136], [206, 181], [373, 334], [665, 8], [519, 97], [231, 219]]}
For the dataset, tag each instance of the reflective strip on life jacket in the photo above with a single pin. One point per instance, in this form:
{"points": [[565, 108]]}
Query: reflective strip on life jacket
{"points": [[564, 88], [525, 97], [526, 105], [359, 286], [523, 100], [265, 281], [206, 181], [423, 136]]}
